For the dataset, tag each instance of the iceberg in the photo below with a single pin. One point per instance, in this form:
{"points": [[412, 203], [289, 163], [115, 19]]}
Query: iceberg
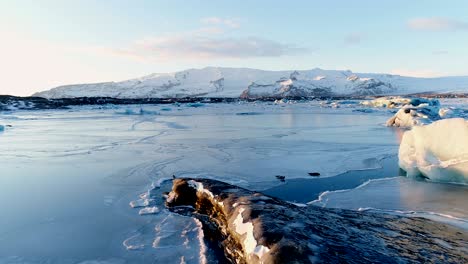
{"points": [[418, 111], [438, 152], [387, 102]]}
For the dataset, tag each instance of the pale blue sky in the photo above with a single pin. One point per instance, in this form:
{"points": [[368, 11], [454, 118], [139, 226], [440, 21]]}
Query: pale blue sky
{"points": [[54, 42]]}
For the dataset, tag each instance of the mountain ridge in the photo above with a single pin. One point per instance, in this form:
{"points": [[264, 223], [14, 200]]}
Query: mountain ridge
{"points": [[227, 82]]}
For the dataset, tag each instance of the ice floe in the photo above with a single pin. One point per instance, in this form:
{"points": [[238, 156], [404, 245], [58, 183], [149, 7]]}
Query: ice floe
{"points": [[149, 210]]}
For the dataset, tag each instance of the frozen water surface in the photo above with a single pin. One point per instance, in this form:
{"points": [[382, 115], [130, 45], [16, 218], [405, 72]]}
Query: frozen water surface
{"points": [[404, 196], [68, 176]]}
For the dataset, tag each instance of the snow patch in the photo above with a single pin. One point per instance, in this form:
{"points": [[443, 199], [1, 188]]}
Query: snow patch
{"points": [[199, 187], [250, 244]]}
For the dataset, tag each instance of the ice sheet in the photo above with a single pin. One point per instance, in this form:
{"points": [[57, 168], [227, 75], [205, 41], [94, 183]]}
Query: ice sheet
{"points": [[404, 196], [68, 176]]}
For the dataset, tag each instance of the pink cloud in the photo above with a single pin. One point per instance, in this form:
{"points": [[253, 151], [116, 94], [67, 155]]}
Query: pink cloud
{"points": [[437, 24]]}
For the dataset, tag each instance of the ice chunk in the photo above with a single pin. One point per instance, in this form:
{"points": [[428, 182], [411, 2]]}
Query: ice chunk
{"points": [[2, 128], [149, 210], [438, 151], [388, 102], [409, 115], [445, 112], [141, 202]]}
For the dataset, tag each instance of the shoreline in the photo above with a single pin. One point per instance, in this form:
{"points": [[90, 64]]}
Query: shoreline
{"points": [[10, 102]]}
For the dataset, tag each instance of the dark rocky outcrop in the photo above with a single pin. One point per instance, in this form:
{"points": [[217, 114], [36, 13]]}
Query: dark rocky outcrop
{"points": [[254, 228], [8, 102]]}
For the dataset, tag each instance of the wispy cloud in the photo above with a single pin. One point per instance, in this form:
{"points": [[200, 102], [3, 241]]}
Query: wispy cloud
{"points": [[440, 52], [218, 21], [416, 73], [193, 46], [210, 41], [436, 24], [353, 38]]}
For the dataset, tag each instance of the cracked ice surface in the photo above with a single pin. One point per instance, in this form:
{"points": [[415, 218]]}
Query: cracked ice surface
{"points": [[68, 176]]}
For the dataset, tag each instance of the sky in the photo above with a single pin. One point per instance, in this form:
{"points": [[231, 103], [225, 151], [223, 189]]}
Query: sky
{"points": [[49, 43]]}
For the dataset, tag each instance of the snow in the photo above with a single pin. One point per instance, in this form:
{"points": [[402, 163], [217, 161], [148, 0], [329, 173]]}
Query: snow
{"points": [[438, 151], [234, 82], [250, 244], [199, 187]]}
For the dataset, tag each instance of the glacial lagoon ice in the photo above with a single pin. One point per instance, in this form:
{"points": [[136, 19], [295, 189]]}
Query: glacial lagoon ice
{"points": [[61, 166]]}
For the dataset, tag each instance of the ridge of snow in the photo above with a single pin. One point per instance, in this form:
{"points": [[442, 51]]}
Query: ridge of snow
{"points": [[236, 82]]}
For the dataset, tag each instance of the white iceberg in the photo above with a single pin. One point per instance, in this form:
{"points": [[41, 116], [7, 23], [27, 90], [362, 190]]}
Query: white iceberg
{"points": [[387, 102], [418, 111], [438, 151]]}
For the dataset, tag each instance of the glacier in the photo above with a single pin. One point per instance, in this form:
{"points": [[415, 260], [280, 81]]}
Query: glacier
{"points": [[253, 83]]}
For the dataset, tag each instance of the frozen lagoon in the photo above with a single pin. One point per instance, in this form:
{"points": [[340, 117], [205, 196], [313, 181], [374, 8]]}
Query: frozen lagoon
{"points": [[68, 176]]}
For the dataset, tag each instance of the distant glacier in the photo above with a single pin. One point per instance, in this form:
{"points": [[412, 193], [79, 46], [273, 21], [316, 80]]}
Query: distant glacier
{"points": [[253, 83]]}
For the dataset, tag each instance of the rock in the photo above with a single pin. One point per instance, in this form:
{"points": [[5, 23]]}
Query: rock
{"points": [[280, 177], [315, 174], [254, 228]]}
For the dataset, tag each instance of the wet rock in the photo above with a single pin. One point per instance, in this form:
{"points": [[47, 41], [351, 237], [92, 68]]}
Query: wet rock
{"points": [[253, 228]]}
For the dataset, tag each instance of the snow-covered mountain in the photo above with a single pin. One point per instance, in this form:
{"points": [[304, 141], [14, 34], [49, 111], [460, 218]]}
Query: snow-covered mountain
{"points": [[253, 83]]}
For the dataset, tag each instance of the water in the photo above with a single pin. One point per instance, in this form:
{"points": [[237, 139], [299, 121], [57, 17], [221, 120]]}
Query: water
{"points": [[67, 176], [307, 190]]}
